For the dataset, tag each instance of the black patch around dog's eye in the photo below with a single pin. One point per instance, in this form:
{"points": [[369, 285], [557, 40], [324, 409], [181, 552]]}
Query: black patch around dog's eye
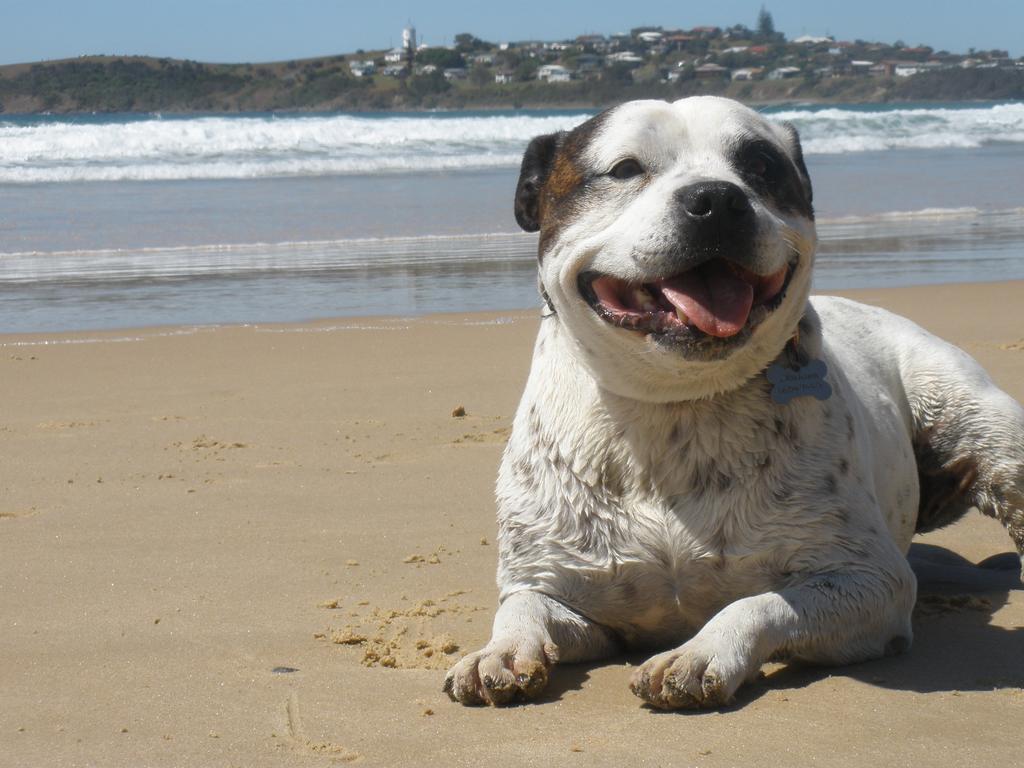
{"points": [[759, 162], [626, 169], [773, 175]]}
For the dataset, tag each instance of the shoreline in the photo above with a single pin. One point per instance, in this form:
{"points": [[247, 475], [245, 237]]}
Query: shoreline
{"points": [[882, 296], [568, 106]]}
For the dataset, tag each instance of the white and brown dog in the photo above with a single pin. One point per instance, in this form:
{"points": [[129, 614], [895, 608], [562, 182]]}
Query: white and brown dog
{"points": [[704, 459]]}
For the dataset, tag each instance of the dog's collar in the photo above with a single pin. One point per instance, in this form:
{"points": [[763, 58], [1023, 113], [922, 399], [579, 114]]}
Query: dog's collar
{"points": [[796, 356], [547, 299]]}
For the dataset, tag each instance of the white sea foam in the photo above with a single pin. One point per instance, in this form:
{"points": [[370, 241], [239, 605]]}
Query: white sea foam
{"points": [[837, 131], [249, 147], [76, 340], [239, 147], [931, 214]]}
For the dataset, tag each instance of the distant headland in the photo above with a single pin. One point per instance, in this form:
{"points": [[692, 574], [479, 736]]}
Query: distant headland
{"points": [[757, 66]]}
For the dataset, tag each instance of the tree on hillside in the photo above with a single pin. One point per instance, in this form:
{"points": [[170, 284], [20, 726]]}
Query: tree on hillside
{"points": [[765, 24], [440, 57], [481, 76], [766, 32], [467, 43]]}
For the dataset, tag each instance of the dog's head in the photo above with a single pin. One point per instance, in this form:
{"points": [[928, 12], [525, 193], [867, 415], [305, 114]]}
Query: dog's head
{"points": [[676, 242]]}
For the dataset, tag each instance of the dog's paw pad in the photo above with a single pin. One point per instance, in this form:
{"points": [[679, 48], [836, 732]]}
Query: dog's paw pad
{"points": [[498, 675], [682, 679]]}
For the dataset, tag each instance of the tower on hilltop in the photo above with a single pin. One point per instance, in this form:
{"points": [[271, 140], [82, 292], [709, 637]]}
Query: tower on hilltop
{"points": [[409, 44]]}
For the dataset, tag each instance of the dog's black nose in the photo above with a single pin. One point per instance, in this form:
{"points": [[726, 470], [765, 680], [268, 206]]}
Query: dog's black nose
{"points": [[720, 201]]}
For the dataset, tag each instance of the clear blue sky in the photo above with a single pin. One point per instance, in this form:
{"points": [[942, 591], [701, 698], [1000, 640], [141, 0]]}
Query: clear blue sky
{"points": [[269, 30]]}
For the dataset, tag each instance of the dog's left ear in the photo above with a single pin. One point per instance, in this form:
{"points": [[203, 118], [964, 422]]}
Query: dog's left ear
{"points": [[798, 158], [537, 162]]}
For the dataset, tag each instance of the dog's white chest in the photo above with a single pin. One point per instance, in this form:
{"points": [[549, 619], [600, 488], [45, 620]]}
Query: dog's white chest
{"points": [[675, 566], [653, 570], [649, 542]]}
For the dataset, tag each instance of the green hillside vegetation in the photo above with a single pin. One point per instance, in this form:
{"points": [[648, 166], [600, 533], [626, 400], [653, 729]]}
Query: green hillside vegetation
{"points": [[137, 84], [665, 64]]}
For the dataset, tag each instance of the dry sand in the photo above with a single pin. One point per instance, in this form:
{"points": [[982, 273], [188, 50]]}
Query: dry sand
{"points": [[261, 547]]}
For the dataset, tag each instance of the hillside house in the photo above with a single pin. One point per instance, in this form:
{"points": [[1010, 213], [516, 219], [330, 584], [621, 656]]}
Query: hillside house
{"points": [[706, 33], [588, 62], [554, 73], [650, 37], [812, 40], [784, 73], [910, 68], [594, 42], [623, 57], [362, 68], [678, 41], [747, 73], [710, 71]]}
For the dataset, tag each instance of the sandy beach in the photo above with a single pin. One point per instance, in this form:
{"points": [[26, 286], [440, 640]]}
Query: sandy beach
{"points": [[263, 545]]}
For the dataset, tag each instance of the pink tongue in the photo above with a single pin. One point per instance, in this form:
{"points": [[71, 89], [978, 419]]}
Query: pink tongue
{"points": [[712, 297]]}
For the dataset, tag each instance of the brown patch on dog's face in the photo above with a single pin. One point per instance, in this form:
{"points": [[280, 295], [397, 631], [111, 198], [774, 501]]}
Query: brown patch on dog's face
{"points": [[551, 179], [556, 197], [564, 178]]}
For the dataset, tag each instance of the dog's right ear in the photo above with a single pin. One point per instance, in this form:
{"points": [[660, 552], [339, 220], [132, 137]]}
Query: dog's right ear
{"points": [[537, 162]]}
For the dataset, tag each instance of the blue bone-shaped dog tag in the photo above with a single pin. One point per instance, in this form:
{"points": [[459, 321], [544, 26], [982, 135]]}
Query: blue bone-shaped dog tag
{"points": [[809, 380]]}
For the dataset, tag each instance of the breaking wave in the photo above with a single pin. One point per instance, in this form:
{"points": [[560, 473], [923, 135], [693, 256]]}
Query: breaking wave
{"points": [[130, 148], [838, 131], [242, 147]]}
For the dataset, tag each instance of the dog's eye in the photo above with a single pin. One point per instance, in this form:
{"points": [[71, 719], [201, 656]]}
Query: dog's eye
{"points": [[758, 165], [626, 169]]}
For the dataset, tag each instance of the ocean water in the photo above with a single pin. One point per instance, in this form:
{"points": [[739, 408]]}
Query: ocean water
{"points": [[129, 221]]}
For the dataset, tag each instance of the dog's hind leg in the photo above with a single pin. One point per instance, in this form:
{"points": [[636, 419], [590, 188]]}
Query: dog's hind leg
{"points": [[968, 437], [531, 633]]}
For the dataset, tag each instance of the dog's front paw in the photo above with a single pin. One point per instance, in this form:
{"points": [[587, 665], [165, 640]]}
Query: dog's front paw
{"points": [[501, 673], [692, 676]]}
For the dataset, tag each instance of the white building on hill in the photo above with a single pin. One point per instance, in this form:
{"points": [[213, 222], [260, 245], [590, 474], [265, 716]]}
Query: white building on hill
{"points": [[554, 73]]}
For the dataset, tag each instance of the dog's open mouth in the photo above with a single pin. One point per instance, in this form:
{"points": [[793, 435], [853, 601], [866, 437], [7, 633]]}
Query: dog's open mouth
{"points": [[717, 299]]}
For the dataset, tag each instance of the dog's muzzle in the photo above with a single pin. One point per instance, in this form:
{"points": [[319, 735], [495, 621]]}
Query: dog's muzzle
{"points": [[718, 298], [710, 289]]}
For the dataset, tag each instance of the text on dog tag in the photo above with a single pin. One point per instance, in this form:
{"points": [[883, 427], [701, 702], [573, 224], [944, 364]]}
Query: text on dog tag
{"points": [[806, 381]]}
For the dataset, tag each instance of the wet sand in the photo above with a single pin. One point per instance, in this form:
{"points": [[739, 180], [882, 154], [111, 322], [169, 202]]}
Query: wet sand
{"points": [[262, 546]]}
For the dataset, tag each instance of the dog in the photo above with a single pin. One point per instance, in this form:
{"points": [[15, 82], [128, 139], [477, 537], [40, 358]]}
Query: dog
{"points": [[705, 459]]}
